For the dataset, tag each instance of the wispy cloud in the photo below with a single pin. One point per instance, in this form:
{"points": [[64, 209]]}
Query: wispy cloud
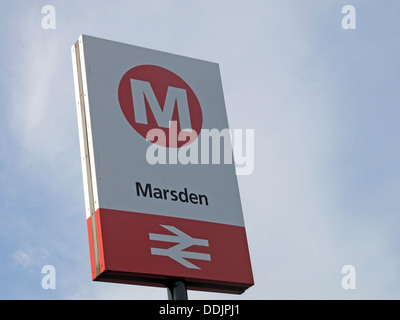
{"points": [[22, 258]]}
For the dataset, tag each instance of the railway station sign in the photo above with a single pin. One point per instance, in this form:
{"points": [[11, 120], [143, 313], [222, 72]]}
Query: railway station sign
{"points": [[151, 221]]}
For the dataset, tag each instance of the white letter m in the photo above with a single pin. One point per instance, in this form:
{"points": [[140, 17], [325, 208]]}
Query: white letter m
{"points": [[141, 89]]}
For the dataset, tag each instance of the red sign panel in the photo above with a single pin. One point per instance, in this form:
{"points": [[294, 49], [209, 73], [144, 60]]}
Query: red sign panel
{"points": [[159, 248]]}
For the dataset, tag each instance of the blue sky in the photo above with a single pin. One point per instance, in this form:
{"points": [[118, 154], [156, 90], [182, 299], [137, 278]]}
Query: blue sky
{"points": [[324, 104]]}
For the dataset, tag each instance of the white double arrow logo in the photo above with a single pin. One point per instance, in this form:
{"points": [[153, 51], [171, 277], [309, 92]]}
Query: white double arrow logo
{"points": [[176, 252]]}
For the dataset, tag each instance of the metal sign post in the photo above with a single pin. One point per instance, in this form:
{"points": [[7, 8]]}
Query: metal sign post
{"points": [[177, 291]]}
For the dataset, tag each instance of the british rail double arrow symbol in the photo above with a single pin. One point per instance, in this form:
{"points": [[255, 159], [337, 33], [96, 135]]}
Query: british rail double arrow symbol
{"points": [[176, 252]]}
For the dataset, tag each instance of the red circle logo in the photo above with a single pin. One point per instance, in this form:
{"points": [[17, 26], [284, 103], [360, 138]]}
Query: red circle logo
{"points": [[160, 106]]}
